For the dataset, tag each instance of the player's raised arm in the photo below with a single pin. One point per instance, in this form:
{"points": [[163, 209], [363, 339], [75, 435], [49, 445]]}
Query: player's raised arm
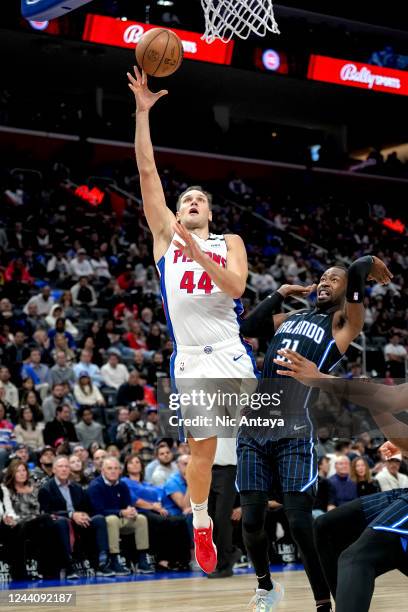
{"points": [[266, 316], [350, 324], [159, 217]]}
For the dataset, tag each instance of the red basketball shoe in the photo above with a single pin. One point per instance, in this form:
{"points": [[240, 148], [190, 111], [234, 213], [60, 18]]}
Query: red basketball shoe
{"points": [[205, 549]]}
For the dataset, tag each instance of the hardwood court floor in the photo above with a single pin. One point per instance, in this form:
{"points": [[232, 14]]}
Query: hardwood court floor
{"points": [[203, 595]]}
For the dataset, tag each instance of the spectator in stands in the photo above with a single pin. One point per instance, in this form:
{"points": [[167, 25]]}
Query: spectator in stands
{"points": [[29, 523], [111, 498], [97, 460], [38, 371], [77, 471], [43, 471], [10, 390], [11, 412], [165, 466], [43, 300], [100, 266], [360, 473], [15, 353], [67, 500], [131, 391], [176, 499], [169, 537], [135, 336], [140, 364], [61, 372], [395, 356], [156, 369], [58, 269], [61, 344], [81, 266], [50, 404], [83, 294], [114, 374], [6, 434], [28, 430], [390, 478], [86, 393], [56, 313], [85, 365], [60, 427], [87, 429], [31, 399], [122, 416], [341, 488], [135, 432]]}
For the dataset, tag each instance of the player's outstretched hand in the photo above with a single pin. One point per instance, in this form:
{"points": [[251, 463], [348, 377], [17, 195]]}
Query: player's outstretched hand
{"points": [[296, 290], [190, 248], [297, 367], [145, 98], [379, 272], [387, 450]]}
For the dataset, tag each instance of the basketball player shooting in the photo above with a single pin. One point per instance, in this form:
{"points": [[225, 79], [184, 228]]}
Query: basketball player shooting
{"points": [[202, 277], [322, 334]]}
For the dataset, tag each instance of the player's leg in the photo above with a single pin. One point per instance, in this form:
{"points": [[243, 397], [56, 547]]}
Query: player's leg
{"points": [[373, 554], [253, 482], [298, 508], [198, 478], [297, 465], [334, 532]]}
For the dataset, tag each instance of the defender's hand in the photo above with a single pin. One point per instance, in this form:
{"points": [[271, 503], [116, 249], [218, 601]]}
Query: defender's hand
{"points": [[387, 450], [379, 272], [296, 290], [298, 367], [145, 98]]}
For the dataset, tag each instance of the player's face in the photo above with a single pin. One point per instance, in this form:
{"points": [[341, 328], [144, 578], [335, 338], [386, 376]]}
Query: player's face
{"points": [[332, 287], [194, 212]]}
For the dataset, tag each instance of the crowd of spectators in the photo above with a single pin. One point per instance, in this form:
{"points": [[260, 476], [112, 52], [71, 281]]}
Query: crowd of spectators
{"points": [[83, 341]]}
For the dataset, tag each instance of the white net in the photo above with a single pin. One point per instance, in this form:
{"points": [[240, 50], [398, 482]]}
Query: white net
{"points": [[227, 18]]}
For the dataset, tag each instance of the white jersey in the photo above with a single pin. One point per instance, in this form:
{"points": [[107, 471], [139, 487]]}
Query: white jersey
{"points": [[197, 311]]}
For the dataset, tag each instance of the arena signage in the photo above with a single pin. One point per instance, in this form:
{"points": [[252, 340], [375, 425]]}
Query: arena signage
{"points": [[395, 225], [118, 33], [94, 196], [355, 74]]}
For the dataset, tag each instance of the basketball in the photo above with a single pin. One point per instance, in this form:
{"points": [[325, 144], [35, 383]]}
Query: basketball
{"points": [[159, 52]]}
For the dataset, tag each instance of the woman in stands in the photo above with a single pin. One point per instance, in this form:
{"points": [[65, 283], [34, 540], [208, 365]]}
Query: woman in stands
{"points": [[169, 536], [87, 394], [360, 473], [27, 524], [29, 430]]}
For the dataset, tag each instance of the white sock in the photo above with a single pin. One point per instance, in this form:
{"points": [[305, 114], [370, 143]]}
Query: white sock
{"points": [[201, 518]]}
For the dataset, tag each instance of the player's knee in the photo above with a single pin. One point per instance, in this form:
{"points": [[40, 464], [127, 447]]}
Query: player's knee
{"points": [[299, 522], [253, 517]]}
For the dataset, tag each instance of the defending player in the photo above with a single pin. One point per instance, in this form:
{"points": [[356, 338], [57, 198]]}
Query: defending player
{"points": [[202, 277], [322, 334], [366, 537]]}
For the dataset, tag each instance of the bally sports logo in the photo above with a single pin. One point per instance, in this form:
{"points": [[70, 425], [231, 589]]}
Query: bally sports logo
{"points": [[134, 33], [350, 72], [356, 74]]}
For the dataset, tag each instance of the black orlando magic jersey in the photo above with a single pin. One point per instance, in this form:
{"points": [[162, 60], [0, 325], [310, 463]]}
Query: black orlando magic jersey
{"points": [[309, 332]]}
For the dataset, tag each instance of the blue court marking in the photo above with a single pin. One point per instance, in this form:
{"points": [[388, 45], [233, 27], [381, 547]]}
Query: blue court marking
{"points": [[71, 584]]}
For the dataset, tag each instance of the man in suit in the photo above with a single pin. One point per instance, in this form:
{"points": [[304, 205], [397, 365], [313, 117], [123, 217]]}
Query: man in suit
{"points": [[109, 496], [68, 503]]}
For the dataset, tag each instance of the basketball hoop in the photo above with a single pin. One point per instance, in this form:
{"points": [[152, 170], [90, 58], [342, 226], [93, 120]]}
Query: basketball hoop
{"points": [[227, 18]]}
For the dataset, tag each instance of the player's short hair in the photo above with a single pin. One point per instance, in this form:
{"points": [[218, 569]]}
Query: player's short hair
{"points": [[196, 188]]}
